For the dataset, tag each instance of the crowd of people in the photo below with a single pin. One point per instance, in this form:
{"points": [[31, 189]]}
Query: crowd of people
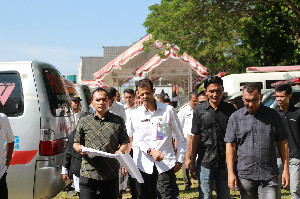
{"points": [[253, 149]]}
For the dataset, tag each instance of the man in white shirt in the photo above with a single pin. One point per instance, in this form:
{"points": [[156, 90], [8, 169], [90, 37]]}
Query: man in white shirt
{"points": [[75, 100], [129, 100], [185, 117], [152, 127], [7, 135]]}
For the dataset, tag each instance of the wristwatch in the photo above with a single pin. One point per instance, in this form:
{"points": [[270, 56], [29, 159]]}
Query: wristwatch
{"points": [[149, 151]]}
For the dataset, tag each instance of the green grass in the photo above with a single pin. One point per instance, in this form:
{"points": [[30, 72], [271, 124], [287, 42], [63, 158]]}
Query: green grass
{"points": [[191, 194]]}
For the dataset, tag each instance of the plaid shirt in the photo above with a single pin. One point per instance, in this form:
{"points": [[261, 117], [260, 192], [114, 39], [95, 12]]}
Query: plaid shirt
{"points": [[104, 135], [256, 137]]}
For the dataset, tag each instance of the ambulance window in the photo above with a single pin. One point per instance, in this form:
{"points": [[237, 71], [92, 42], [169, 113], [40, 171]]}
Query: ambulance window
{"points": [[60, 106], [11, 94]]}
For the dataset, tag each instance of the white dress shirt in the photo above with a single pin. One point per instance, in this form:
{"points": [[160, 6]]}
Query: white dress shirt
{"points": [[128, 110], [7, 135], [185, 117], [118, 109], [154, 130]]}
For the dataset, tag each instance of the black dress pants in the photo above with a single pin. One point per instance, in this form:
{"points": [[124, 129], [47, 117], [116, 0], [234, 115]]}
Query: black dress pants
{"points": [[89, 187], [3, 187], [161, 185]]}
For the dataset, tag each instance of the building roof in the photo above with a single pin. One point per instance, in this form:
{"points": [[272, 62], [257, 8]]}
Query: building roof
{"points": [[91, 65]]}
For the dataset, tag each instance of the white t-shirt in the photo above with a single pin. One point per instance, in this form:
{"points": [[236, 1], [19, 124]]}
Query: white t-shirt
{"points": [[7, 135]]}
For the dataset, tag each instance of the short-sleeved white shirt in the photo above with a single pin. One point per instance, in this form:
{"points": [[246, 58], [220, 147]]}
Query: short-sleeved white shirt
{"points": [[154, 130], [185, 117], [7, 135]]}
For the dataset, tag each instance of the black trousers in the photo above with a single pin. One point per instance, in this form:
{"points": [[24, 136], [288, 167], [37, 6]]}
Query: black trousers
{"points": [[89, 187], [161, 185], [3, 187]]}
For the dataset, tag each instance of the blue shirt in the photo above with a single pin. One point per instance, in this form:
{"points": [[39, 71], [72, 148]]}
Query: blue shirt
{"points": [[256, 137]]}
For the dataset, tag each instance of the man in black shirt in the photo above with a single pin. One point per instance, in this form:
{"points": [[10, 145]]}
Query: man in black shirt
{"points": [[209, 127], [290, 116]]}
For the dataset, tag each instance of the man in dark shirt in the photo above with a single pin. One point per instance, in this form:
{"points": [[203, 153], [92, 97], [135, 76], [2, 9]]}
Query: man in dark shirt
{"points": [[103, 131], [209, 127], [251, 137], [290, 116]]}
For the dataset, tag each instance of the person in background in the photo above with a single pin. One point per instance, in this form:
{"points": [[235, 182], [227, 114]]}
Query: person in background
{"points": [[209, 127], [114, 106], [118, 96], [106, 132], [159, 98], [252, 135], [129, 100], [185, 117], [6, 135], [75, 100], [233, 102], [117, 108], [72, 162], [224, 97], [168, 101], [152, 127], [290, 116], [70, 154], [129, 107], [202, 97]]}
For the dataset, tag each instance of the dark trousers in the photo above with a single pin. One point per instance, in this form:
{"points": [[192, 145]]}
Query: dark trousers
{"points": [[186, 176], [89, 187], [161, 185], [251, 189], [3, 187]]}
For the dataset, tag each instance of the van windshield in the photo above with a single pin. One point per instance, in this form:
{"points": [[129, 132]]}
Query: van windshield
{"points": [[60, 105], [11, 94]]}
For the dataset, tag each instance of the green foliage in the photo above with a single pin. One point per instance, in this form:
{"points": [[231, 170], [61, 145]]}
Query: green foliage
{"points": [[229, 35]]}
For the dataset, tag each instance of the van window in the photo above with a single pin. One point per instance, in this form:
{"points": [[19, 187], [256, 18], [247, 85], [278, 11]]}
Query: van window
{"points": [[11, 94], [60, 106]]}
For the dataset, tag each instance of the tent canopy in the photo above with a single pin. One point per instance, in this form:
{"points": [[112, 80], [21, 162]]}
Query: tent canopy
{"points": [[137, 62]]}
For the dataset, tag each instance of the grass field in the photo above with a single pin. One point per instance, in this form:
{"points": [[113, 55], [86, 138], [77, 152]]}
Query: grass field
{"points": [[191, 194]]}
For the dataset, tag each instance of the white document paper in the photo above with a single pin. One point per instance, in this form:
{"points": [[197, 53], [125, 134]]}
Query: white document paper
{"points": [[124, 159]]}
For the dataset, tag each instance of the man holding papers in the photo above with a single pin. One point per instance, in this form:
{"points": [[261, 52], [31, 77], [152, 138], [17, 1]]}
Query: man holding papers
{"points": [[152, 126], [105, 132]]}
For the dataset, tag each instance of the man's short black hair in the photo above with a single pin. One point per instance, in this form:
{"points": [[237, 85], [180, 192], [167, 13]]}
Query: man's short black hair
{"points": [[250, 87], [97, 90], [144, 82], [130, 91], [284, 87], [193, 94], [112, 92], [213, 80]]}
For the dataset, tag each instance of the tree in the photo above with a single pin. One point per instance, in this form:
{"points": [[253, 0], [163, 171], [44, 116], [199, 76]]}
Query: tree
{"points": [[219, 33]]}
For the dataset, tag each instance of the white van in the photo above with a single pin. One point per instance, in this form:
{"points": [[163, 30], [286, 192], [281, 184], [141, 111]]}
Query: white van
{"points": [[234, 82], [34, 97]]}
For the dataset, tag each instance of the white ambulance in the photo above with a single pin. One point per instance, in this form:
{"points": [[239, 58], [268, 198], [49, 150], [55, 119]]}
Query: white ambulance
{"points": [[34, 97]]}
